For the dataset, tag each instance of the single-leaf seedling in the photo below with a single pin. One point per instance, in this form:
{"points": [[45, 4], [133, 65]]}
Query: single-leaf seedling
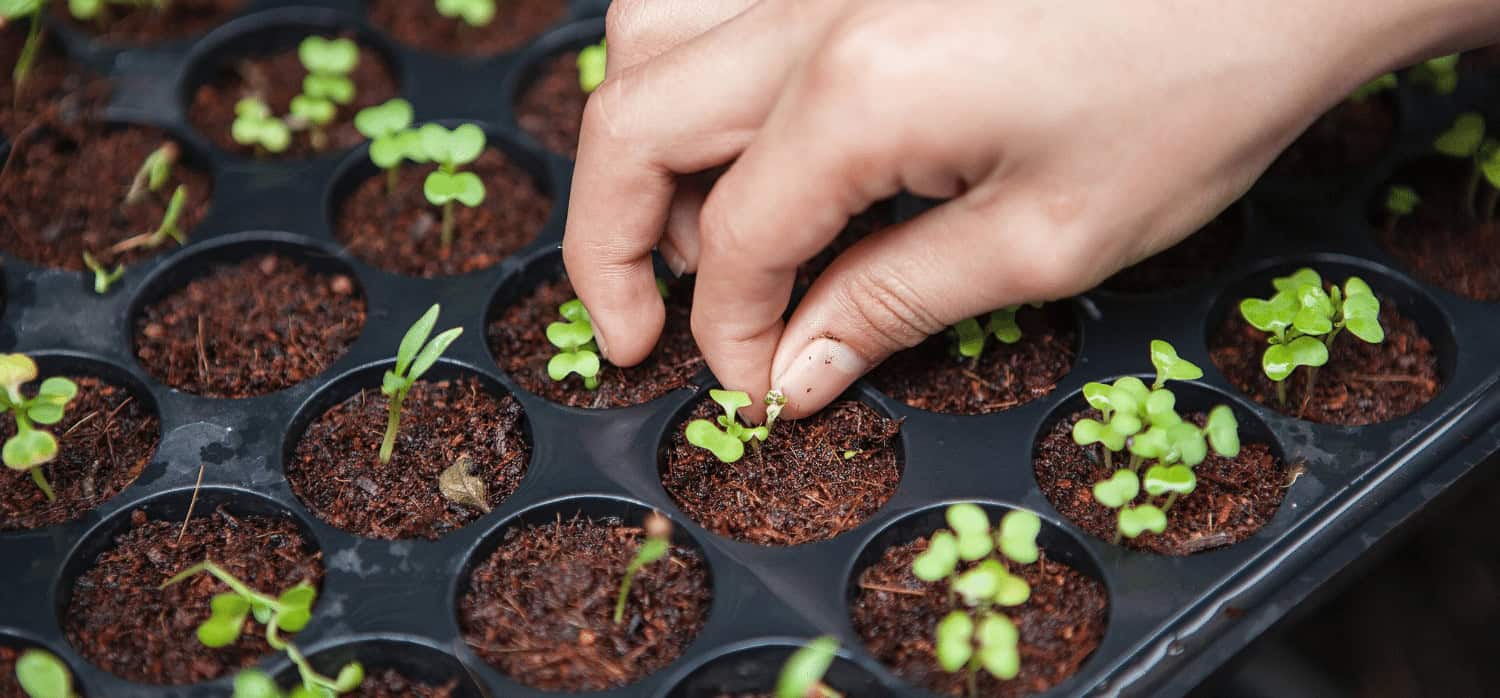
{"points": [[31, 447], [153, 174], [388, 126], [452, 149], [168, 229], [971, 337], [726, 439], [802, 674], [1400, 201], [414, 357], [42, 675], [103, 277], [657, 544], [474, 13], [328, 63], [592, 61]]}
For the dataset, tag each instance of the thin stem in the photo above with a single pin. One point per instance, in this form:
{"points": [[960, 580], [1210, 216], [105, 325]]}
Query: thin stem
{"points": [[392, 424], [390, 181], [623, 595], [1281, 392], [1171, 499], [310, 677], [447, 227], [41, 481], [28, 52], [1312, 380], [228, 579], [972, 678], [1108, 466]]}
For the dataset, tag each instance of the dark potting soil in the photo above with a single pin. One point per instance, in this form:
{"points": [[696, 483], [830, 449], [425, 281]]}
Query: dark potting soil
{"points": [[551, 107], [1060, 625], [55, 87], [50, 215], [145, 25], [419, 24], [878, 217], [337, 472], [1199, 256], [9, 686], [1362, 383], [1350, 136], [541, 607], [118, 619], [799, 487], [276, 79], [518, 339], [1440, 242], [250, 328], [105, 438], [403, 233], [389, 683], [933, 377], [1235, 497]]}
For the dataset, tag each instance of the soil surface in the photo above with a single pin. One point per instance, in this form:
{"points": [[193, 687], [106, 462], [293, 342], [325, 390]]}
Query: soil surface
{"points": [[9, 686], [551, 107], [118, 619], [105, 438], [55, 86], [799, 487], [50, 216], [1440, 243], [337, 472], [1235, 497], [1362, 383], [389, 683], [217, 337], [144, 25], [276, 79], [1197, 257], [518, 339], [419, 24], [933, 377], [541, 607], [1060, 625], [1350, 136], [876, 218], [403, 234]]}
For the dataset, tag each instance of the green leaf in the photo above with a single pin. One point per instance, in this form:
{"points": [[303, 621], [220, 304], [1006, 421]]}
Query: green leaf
{"points": [[1281, 359], [1362, 311], [1188, 444], [328, 56], [1137, 520], [1462, 140], [293, 620], [1373, 87], [1273, 315], [314, 110], [805, 669], [1401, 200], [415, 337], [386, 151], [971, 338], [968, 518], [430, 353], [384, 120], [1117, 491], [475, 13], [1098, 396], [574, 311], [980, 584], [703, 434], [570, 335], [1296, 280], [974, 546], [459, 146], [254, 683], [1134, 387], [349, 678], [464, 187], [223, 627], [938, 560], [1017, 536], [1223, 431], [51, 400], [250, 107], [42, 675], [1125, 423], [583, 362], [15, 371], [28, 449], [592, 64], [1162, 479], [1087, 432], [1012, 590], [1002, 325], [1152, 443], [300, 596], [1161, 408], [998, 651], [730, 400], [955, 644], [85, 9], [390, 383], [1170, 366]]}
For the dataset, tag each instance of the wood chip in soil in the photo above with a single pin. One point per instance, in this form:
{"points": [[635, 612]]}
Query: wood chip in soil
{"points": [[518, 340], [250, 328], [1198, 257], [875, 219], [389, 683], [541, 607], [1060, 625], [551, 107], [105, 439], [418, 24], [276, 79], [1234, 499], [145, 25], [336, 469], [1361, 384], [119, 620], [403, 233], [1439, 242], [1350, 136], [800, 487], [932, 377]]}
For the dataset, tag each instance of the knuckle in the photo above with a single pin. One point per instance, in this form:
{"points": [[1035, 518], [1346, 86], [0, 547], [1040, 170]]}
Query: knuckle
{"points": [[718, 235], [886, 309], [860, 48]]}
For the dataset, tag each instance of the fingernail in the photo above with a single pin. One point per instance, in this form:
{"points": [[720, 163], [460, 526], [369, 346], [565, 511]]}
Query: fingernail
{"points": [[819, 373], [599, 342], [675, 261]]}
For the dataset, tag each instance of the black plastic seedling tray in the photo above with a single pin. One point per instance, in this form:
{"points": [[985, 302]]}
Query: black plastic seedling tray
{"points": [[392, 603]]}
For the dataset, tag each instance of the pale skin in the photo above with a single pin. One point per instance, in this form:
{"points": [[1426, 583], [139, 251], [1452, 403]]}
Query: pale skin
{"points": [[1069, 138]]}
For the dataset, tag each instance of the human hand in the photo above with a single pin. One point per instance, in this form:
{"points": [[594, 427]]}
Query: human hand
{"points": [[1070, 139]]}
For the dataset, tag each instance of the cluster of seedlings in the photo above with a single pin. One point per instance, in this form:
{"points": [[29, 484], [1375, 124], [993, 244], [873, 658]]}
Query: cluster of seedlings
{"points": [[1469, 140], [326, 87]]}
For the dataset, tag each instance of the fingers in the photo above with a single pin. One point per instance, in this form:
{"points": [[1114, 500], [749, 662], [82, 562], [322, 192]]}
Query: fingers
{"points": [[679, 245], [639, 30]]}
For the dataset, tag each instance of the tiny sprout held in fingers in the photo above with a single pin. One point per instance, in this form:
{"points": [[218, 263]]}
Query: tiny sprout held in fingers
{"points": [[31, 447], [413, 358], [726, 437], [592, 61], [474, 13], [970, 337], [577, 352], [656, 546], [42, 675], [802, 675], [452, 149]]}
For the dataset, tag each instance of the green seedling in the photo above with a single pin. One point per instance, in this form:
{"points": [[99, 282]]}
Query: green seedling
{"points": [[447, 185], [1467, 140], [31, 10], [103, 278], [1440, 73], [592, 61], [1373, 87], [1400, 201], [1303, 319], [475, 13], [168, 229], [413, 358], [1001, 324], [155, 170], [726, 439], [42, 675], [313, 114], [388, 126], [802, 675], [255, 126], [288, 612], [31, 447], [975, 635], [328, 63], [656, 546], [576, 350]]}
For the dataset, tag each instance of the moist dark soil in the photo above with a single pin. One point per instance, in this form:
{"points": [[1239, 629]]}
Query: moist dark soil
{"points": [[1362, 383], [276, 79], [9, 686], [1196, 258], [389, 683], [250, 328], [144, 25], [56, 88], [336, 469], [1234, 499], [118, 619], [551, 107], [798, 487], [105, 438], [877, 218], [419, 24], [1440, 242], [63, 194], [933, 377], [1350, 136], [403, 233], [541, 607], [1060, 625], [518, 339]]}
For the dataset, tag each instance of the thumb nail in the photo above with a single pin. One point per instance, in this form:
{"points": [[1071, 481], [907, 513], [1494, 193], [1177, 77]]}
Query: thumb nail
{"points": [[818, 373]]}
